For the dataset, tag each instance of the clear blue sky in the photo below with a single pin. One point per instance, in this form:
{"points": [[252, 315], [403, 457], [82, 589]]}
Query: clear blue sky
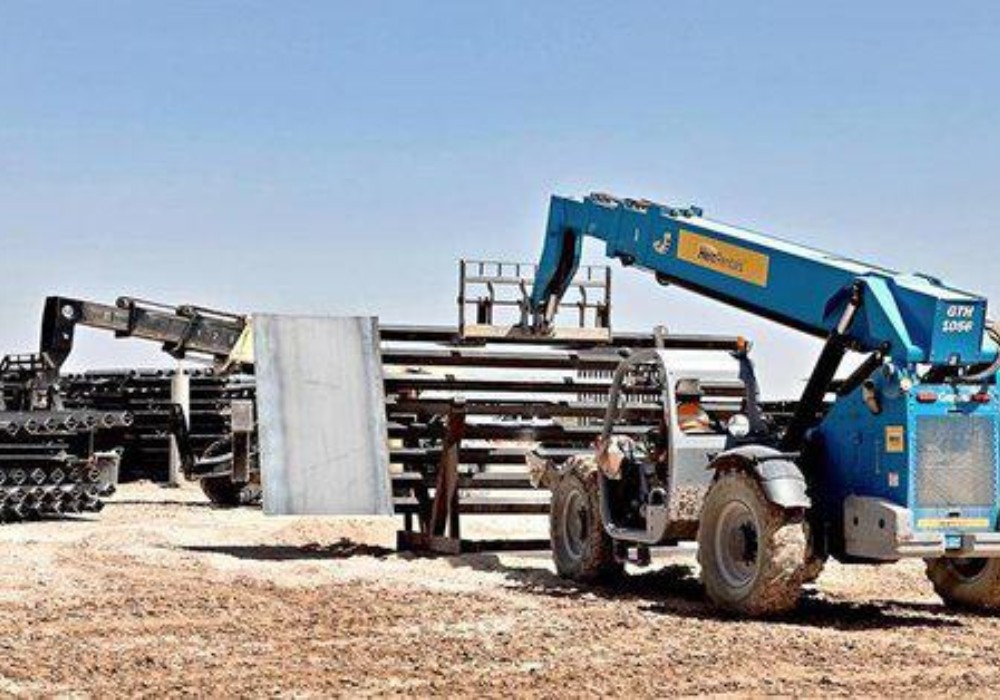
{"points": [[340, 157]]}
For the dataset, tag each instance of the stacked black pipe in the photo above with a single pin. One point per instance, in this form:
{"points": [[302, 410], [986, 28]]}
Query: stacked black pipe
{"points": [[48, 465]]}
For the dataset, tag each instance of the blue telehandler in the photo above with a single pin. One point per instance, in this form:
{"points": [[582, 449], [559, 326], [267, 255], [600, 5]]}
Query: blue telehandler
{"points": [[899, 459]]}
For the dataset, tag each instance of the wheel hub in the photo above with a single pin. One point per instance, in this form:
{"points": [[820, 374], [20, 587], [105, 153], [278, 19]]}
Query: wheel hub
{"points": [[968, 569], [576, 519], [737, 545]]}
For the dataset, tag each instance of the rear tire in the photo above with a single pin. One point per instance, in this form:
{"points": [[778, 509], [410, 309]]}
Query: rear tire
{"points": [[221, 490], [966, 583], [581, 548], [751, 552], [226, 493]]}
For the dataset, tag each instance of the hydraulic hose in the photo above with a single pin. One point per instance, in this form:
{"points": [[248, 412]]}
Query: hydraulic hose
{"points": [[994, 333]]}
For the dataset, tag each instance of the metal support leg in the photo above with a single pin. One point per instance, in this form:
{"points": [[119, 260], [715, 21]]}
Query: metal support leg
{"points": [[242, 425], [443, 511], [180, 394], [445, 506]]}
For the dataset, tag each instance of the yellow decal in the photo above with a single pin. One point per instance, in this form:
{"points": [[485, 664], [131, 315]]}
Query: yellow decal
{"points": [[894, 441], [950, 523], [724, 258], [242, 352]]}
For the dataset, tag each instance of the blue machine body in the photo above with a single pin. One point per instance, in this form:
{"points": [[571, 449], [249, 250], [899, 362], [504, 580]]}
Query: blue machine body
{"points": [[932, 449], [928, 448]]}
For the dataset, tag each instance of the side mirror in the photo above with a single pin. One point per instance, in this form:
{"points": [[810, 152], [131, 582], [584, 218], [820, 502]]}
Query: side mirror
{"points": [[738, 426]]}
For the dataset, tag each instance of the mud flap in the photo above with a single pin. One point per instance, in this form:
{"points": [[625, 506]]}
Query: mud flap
{"points": [[783, 483], [542, 473], [782, 480]]}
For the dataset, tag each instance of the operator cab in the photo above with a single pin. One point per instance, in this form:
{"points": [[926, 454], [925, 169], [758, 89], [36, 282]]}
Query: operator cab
{"points": [[654, 480]]}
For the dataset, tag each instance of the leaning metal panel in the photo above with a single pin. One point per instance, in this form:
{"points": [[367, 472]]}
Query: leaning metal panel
{"points": [[323, 437], [956, 461]]}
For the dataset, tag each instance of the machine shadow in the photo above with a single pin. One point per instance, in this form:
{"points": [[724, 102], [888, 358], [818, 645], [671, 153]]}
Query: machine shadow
{"points": [[341, 549], [917, 606], [674, 589], [194, 505], [72, 518]]}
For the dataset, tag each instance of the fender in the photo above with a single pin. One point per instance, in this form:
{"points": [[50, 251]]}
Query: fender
{"points": [[779, 476]]}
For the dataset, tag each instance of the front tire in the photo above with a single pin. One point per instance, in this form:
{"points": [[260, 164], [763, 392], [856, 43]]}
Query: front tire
{"points": [[814, 563], [581, 548], [751, 552], [966, 583]]}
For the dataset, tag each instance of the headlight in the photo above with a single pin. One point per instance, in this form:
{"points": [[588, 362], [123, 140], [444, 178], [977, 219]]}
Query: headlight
{"points": [[738, 426]]}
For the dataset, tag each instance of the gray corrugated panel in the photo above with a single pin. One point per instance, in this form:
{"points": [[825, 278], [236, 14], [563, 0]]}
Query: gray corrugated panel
{"points": [[323, 438]]}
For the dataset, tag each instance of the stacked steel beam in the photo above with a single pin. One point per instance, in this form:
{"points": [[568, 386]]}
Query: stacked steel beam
{"points": [[514, 398], [549, 398], [546, 397], [146, 394]]}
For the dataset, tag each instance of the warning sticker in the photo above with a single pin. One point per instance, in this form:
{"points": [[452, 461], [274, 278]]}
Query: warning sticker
{"points": [[895, 438]]}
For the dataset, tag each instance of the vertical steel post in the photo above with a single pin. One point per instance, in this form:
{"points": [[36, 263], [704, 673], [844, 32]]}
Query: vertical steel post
{"points": [[180, 394], [444, 508]]}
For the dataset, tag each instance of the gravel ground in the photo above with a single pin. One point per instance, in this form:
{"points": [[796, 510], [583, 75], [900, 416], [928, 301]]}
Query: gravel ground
{"points": [[162, 595]]}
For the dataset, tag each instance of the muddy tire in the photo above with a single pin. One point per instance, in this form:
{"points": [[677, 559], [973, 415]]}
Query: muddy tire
{"points": [[813, 569], [966, 583], [751, 552], [226, 493], [581, 549], [814, 563]]}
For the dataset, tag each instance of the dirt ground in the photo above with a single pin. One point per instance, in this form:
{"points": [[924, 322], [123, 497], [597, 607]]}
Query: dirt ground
{"points": [[163, 595]]}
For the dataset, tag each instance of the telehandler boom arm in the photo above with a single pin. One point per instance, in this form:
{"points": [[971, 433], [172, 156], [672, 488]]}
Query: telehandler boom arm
{"points": [[911, 318], [182, 330]]}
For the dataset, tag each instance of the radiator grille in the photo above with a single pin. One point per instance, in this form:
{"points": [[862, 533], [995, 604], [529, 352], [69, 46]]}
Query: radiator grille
{"points": [[955, 461]]}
